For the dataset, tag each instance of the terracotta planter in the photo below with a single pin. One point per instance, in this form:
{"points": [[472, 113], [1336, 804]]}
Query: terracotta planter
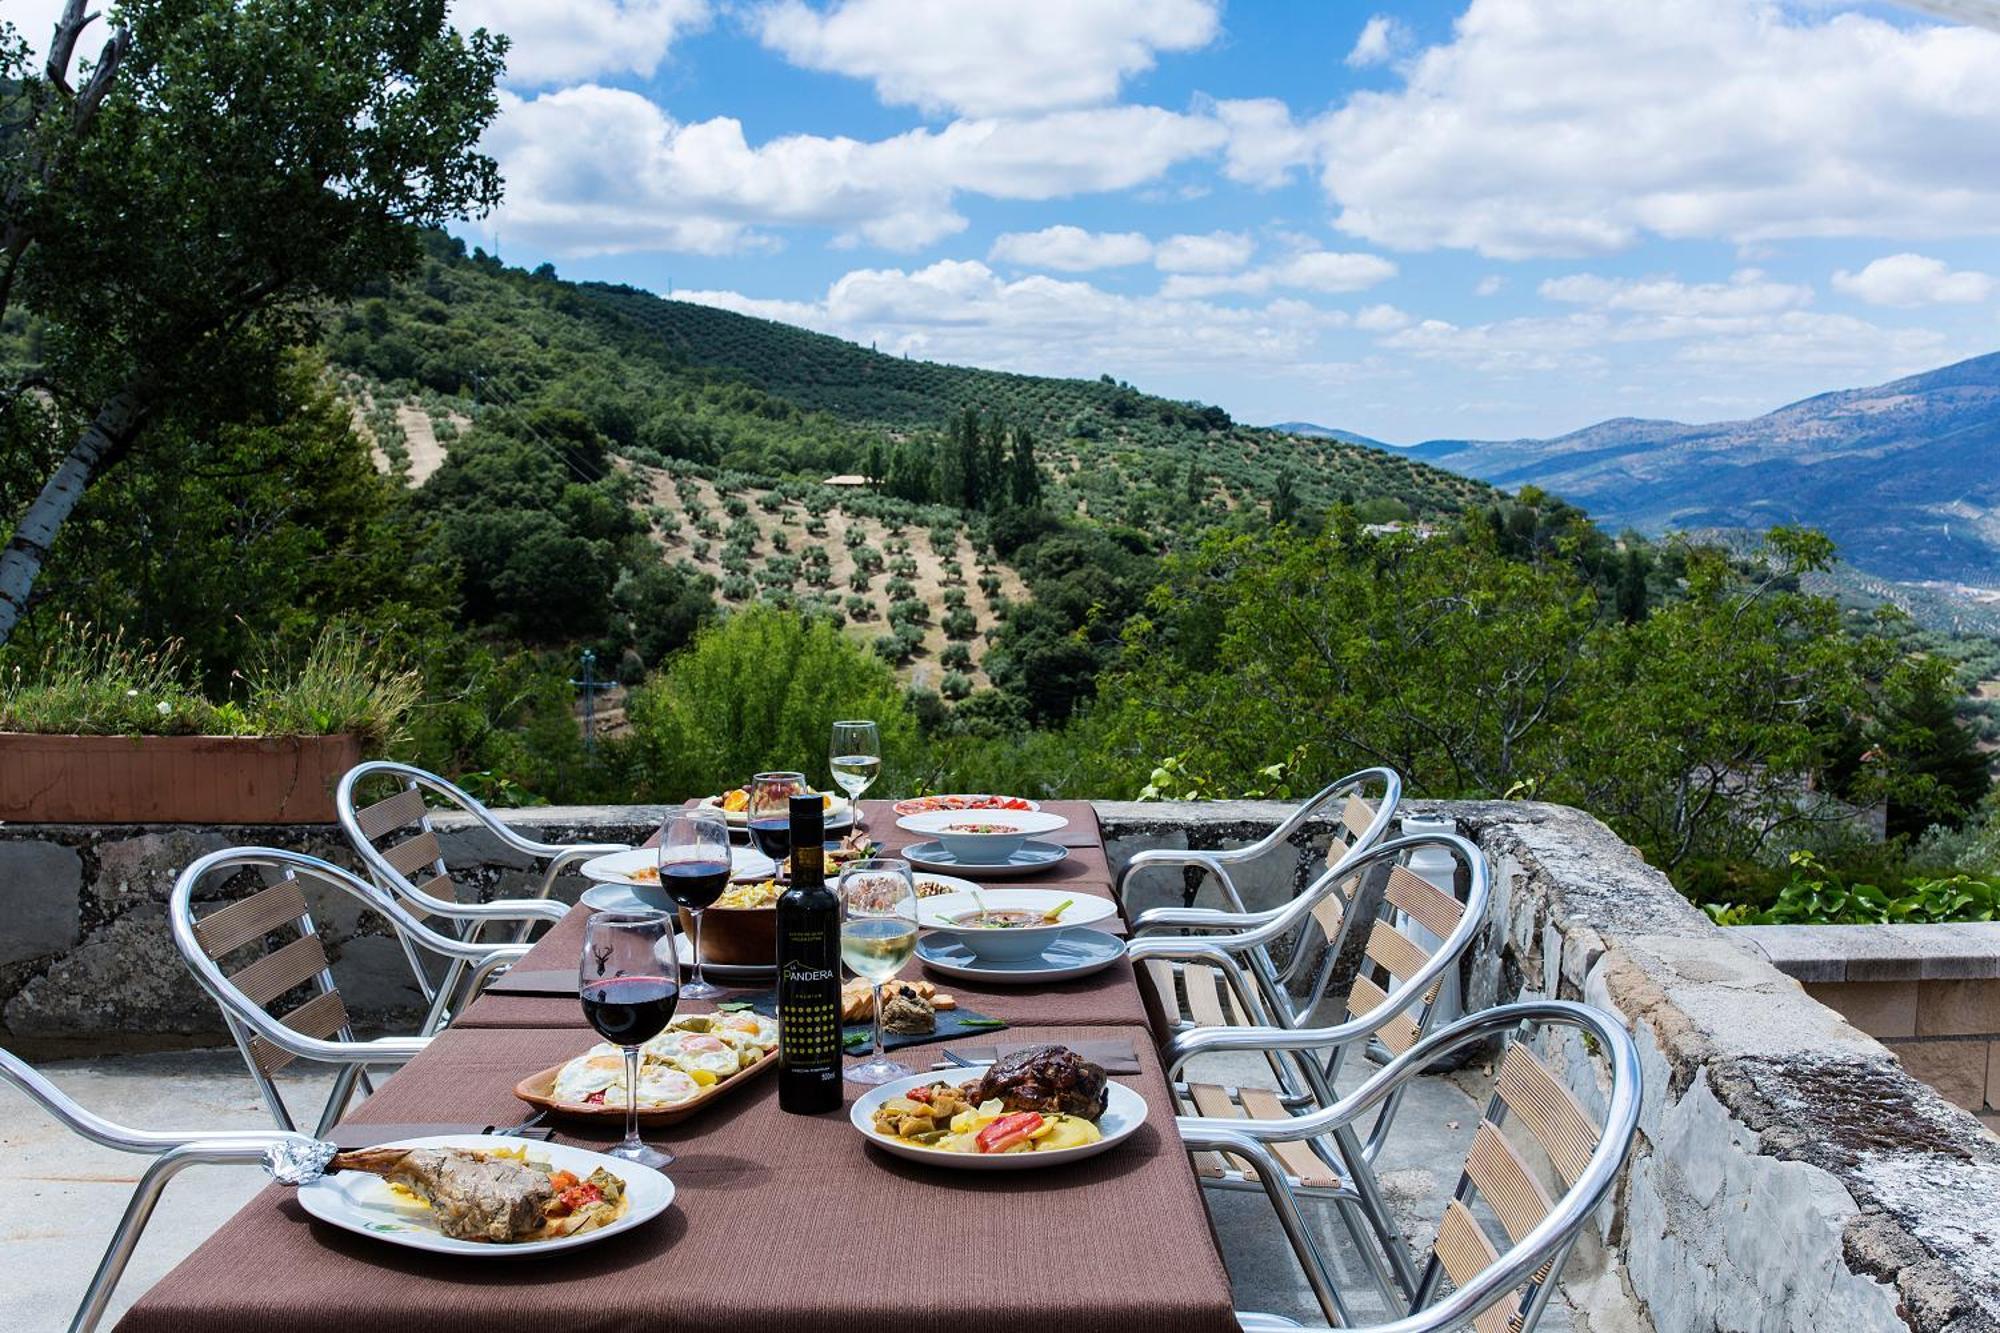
{"points": [[172, 779]]}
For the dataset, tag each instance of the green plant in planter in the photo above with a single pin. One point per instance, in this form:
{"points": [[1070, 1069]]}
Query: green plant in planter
{"points": [[1816, 897]]}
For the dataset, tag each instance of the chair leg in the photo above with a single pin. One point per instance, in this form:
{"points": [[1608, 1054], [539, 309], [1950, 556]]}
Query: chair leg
{"points": [[1376, 1208], [118, 1253], [338, 1098], [1271, 1175]]}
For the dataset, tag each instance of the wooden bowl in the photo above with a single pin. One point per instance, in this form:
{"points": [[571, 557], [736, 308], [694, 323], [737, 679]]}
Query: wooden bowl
{"points": [[736, 936]]}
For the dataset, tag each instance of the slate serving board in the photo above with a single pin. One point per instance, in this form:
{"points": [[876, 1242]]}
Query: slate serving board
{"points": [[858, 1037]]}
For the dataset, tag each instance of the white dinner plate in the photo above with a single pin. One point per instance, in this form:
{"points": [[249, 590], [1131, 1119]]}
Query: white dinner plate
{"points": [[358, 1202], [1073, 953], [970, 801], [1033, 858], [839, 813], [1121, 1119], [745, 863]]}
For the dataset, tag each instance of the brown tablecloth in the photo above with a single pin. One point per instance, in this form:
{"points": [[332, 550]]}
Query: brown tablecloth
{"points": [[1107, 997], [781, 1222]]}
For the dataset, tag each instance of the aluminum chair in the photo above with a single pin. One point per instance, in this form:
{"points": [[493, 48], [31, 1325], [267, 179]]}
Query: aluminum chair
{"points": [[1392, 1000], [1362, 823], [1541, 1206], [396, 843], [171, 1153], [317, 1029]]}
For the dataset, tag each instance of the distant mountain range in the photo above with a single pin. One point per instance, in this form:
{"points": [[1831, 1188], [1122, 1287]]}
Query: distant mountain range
{"points": [[1905, 476]]}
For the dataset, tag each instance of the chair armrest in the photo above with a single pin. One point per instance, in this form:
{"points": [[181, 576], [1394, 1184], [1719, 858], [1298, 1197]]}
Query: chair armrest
{"points": [[1164, 858], [506, 909], [1199, 918], [562, 858]]}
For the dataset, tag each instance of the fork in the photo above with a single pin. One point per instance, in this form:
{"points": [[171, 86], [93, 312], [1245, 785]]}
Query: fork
{"points": [[529, 1128]]}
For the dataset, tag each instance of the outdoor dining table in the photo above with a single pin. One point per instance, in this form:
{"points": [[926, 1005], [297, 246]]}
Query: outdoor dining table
{"points": [[779, 1222]]}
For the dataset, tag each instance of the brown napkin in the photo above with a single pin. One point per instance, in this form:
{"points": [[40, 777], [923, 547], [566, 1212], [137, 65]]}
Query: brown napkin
{"points": [[1116, 1057], [557, 983], [370, 1136]]}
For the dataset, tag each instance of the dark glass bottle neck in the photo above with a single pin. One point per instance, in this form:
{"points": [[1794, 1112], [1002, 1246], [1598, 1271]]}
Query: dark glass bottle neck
{"points": [[808, 815]]}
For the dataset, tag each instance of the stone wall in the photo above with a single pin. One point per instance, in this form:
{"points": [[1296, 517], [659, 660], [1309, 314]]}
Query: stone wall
{"points": [[1931, 994], [87, 964]]}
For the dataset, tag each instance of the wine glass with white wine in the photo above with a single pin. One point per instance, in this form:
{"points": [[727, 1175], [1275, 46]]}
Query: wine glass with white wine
{"points": [[856, 759], [878, 933]]}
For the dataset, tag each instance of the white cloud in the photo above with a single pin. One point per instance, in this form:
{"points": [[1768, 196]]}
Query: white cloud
{"points": [[1748, 292], [571, 40], [1909, 280], [981, 58], [1071, 249], [961, 311], [1767, 343], [1382, 39], [1489, 285], [1215, 252], [1564, 127], [1381, 319], [1314, 270], [1265, 145], [594, 170]]}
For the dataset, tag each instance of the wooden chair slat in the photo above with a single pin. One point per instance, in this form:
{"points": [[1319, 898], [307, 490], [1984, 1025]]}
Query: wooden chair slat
{"points": [[1329, 912], [250, 918], [1549, 1110], [391, 813], [1425, 903], [282, 969], [319, 1018], [1398, 1033], [1504, 1182], [1395, 951], [1357, 815], [414, 854], [1204, 995], [1464, 1251], [1298, 1157], [1163, 1000]]}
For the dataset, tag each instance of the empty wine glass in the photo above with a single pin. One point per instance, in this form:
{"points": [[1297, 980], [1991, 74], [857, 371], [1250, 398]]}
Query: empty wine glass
{"points": [[878, 933], [855, 756], [770, 815], [694, 870], [629, 985]]}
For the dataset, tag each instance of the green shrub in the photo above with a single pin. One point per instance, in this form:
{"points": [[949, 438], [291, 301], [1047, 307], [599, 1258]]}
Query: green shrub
{"points": [[955, 686], [762, 690], [1816, 896]]}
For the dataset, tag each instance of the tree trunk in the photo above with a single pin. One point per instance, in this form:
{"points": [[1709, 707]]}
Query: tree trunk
{"points": [[100, 444]]}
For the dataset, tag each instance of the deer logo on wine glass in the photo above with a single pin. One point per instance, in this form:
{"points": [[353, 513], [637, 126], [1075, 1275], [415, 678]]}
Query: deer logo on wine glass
{"points": [[603, 957]]}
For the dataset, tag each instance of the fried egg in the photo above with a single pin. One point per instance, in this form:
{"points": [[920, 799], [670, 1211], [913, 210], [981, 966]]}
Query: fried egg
{"points": [[663, 1085], [750, 1027], [600, 1069], [707, 1058]]}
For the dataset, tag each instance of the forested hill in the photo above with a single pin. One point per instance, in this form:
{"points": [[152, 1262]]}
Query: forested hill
{"points": [[1901, 474], [674, 380]]}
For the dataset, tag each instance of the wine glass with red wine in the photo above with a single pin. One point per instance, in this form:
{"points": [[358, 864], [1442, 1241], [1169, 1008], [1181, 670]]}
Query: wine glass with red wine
{"points": [[770, 814], [629, 984], [694, 870]]}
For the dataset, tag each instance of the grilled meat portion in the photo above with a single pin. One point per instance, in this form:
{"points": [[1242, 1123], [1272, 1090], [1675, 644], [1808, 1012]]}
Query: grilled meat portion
{"points": [[475, 1196], [1046, 1079]]}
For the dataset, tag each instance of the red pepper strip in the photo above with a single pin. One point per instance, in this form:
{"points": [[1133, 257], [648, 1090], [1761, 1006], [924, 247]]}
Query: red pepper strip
{"points": [[1007, 1131]]}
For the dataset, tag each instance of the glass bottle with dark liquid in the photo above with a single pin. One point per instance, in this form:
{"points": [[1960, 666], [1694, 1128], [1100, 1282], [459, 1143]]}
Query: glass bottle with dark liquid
{"points": [[809, 1049]]}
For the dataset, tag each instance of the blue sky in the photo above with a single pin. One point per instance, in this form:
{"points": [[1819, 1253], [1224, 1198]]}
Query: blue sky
{"points": [[1492, 218]]}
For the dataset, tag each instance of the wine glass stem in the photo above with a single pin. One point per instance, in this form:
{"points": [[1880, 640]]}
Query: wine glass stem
{"points": [[695, 980], [632, 1140], [880, 1054]]}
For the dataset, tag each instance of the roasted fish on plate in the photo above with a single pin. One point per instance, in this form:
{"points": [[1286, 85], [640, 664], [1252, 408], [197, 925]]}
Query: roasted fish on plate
{"points": [[493, 1196]]}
